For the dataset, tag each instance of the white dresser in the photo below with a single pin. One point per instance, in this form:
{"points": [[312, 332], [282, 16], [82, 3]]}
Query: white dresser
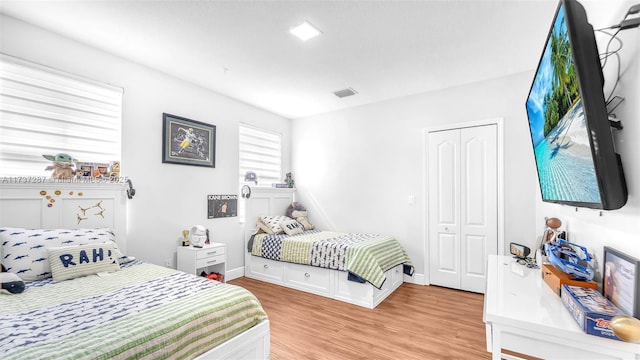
{"points": [[524, 315]]}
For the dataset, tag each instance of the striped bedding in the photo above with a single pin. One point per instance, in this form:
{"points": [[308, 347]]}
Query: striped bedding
{"points": [[365, 256], [143, 311]]}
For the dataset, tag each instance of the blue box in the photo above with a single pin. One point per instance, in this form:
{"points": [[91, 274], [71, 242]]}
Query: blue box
{"points": [[590, 309]]}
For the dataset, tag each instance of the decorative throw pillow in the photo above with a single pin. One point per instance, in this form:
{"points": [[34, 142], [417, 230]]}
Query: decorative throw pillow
{"points": [[273, 223], [69, 262], [262, 228], [25, 251], [10, 283], [291, 227]]}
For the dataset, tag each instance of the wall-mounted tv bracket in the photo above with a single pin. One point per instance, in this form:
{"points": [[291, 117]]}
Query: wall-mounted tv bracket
{"points": [[611, 107], [625, 24], [614, 123], [629, 23]]}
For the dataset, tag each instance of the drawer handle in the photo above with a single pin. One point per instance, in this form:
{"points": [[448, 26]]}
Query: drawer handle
{"points": [[211, 262], [307, 275], [266, 266], [212, 253]]}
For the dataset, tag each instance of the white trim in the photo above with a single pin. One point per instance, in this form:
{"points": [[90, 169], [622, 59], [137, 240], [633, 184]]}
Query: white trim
{"points": [[234, 273], [499, 122]]}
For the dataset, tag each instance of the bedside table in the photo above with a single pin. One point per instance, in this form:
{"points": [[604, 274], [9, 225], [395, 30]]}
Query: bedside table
{"points": [[209, 258]]}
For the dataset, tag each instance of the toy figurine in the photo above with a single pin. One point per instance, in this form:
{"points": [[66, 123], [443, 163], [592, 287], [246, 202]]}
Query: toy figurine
{"points": [[63, 166], [289, 180]]}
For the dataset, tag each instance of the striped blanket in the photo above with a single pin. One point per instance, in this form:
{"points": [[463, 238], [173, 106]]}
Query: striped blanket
{"points": [[142, 311], [365, 256]]}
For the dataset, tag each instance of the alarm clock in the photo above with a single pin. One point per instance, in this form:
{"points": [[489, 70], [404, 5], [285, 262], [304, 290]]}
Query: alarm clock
{"points": [[198, 236]]}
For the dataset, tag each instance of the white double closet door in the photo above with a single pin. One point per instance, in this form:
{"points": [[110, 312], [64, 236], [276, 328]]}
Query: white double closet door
{"points": [[462, 205]]}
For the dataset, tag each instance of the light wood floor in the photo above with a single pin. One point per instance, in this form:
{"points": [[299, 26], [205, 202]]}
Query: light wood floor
{"points": [[415, 322]]}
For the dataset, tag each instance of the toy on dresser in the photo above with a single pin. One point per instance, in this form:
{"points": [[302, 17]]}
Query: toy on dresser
{"points": [[571, 258]]}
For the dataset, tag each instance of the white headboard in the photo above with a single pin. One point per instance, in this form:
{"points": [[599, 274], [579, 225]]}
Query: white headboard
{"points": [[265, 201], [65, 205]]}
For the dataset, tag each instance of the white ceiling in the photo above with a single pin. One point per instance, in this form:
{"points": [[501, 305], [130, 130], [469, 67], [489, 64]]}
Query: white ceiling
{"points": [[383, 49]]}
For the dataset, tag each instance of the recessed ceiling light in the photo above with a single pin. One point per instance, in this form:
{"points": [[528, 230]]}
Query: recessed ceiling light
{"points": [[305, 31]]}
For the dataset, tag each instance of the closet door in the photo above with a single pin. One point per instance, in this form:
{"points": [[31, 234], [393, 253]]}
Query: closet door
{"points": [[444, 208], [462, 221], [478, 204]]}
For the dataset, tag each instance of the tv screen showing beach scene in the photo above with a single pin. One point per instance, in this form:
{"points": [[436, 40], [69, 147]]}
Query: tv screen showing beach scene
{"points": [[558, 126]]}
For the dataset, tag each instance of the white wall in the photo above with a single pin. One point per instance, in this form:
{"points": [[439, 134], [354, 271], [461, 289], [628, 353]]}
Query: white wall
{"points": [[355, 169], [373, 158], [619, 228], [169, 197]]}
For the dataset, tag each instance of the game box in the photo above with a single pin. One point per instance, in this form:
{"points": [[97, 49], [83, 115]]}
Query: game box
{"points": [[590, 309]]}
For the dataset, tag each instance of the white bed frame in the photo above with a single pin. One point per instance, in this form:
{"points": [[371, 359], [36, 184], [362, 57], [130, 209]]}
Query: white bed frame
{"points": [[320, 281], [28, 204]]}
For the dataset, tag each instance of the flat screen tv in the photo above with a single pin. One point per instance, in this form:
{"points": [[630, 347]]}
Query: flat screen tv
{"points": [[572, 141]]}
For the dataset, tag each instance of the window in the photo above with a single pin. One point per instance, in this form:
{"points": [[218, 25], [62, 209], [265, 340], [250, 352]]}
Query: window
{"points": [[44, 111], [260, 154]]}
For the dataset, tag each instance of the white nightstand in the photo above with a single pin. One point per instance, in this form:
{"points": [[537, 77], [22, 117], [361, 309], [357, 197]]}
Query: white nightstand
{"points": [[210, 258]]}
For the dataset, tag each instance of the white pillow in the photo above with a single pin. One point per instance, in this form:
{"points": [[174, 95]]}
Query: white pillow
{"points": [[291, 227], [25, 251], [273, 223], [69, 262]]}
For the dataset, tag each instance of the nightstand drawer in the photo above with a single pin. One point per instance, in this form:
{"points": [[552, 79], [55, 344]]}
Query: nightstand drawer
{"points": [[209, 252], [210, 260]]}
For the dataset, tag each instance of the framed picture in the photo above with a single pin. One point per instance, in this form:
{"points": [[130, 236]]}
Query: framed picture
{"points": [[620, 281], [188, 142], [222, 206]]}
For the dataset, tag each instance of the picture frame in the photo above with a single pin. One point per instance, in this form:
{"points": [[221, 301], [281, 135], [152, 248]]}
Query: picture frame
{"points": [[219, 206], [188, 142], [620, 281]]}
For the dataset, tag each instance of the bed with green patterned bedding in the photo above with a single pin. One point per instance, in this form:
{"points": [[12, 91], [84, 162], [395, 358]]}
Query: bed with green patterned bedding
{"points": [[142, 311], [365, 257]]}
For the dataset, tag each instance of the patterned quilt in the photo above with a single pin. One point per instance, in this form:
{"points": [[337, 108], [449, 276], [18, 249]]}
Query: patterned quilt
{"points": [[142, 311], [366, 256]]}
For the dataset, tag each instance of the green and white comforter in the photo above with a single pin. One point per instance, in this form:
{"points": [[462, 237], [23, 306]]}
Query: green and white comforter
{"points": [[365, 256], [142, 311]]}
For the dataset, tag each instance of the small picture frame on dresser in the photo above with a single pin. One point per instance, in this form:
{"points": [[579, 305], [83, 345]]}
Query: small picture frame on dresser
{"points": [[620, 281]]}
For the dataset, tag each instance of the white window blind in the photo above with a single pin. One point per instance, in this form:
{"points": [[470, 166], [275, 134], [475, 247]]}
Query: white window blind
{"points": [[44, 111], [260, 153]]}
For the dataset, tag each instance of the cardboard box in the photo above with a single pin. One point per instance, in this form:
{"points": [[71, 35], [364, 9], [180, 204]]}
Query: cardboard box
{"points": [[590, 309], [555, 277]]}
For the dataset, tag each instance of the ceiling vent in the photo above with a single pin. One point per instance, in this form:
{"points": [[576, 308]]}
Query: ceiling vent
{"points": [[345, 92]]}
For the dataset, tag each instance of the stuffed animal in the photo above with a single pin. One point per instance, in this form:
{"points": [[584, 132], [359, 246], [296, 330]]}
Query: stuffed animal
{"points": [[11, 283], [62, 166], [298, 212]]}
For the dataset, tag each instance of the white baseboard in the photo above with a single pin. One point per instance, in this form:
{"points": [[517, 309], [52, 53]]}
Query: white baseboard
{"points": [[235, 273], [418, 279]]}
